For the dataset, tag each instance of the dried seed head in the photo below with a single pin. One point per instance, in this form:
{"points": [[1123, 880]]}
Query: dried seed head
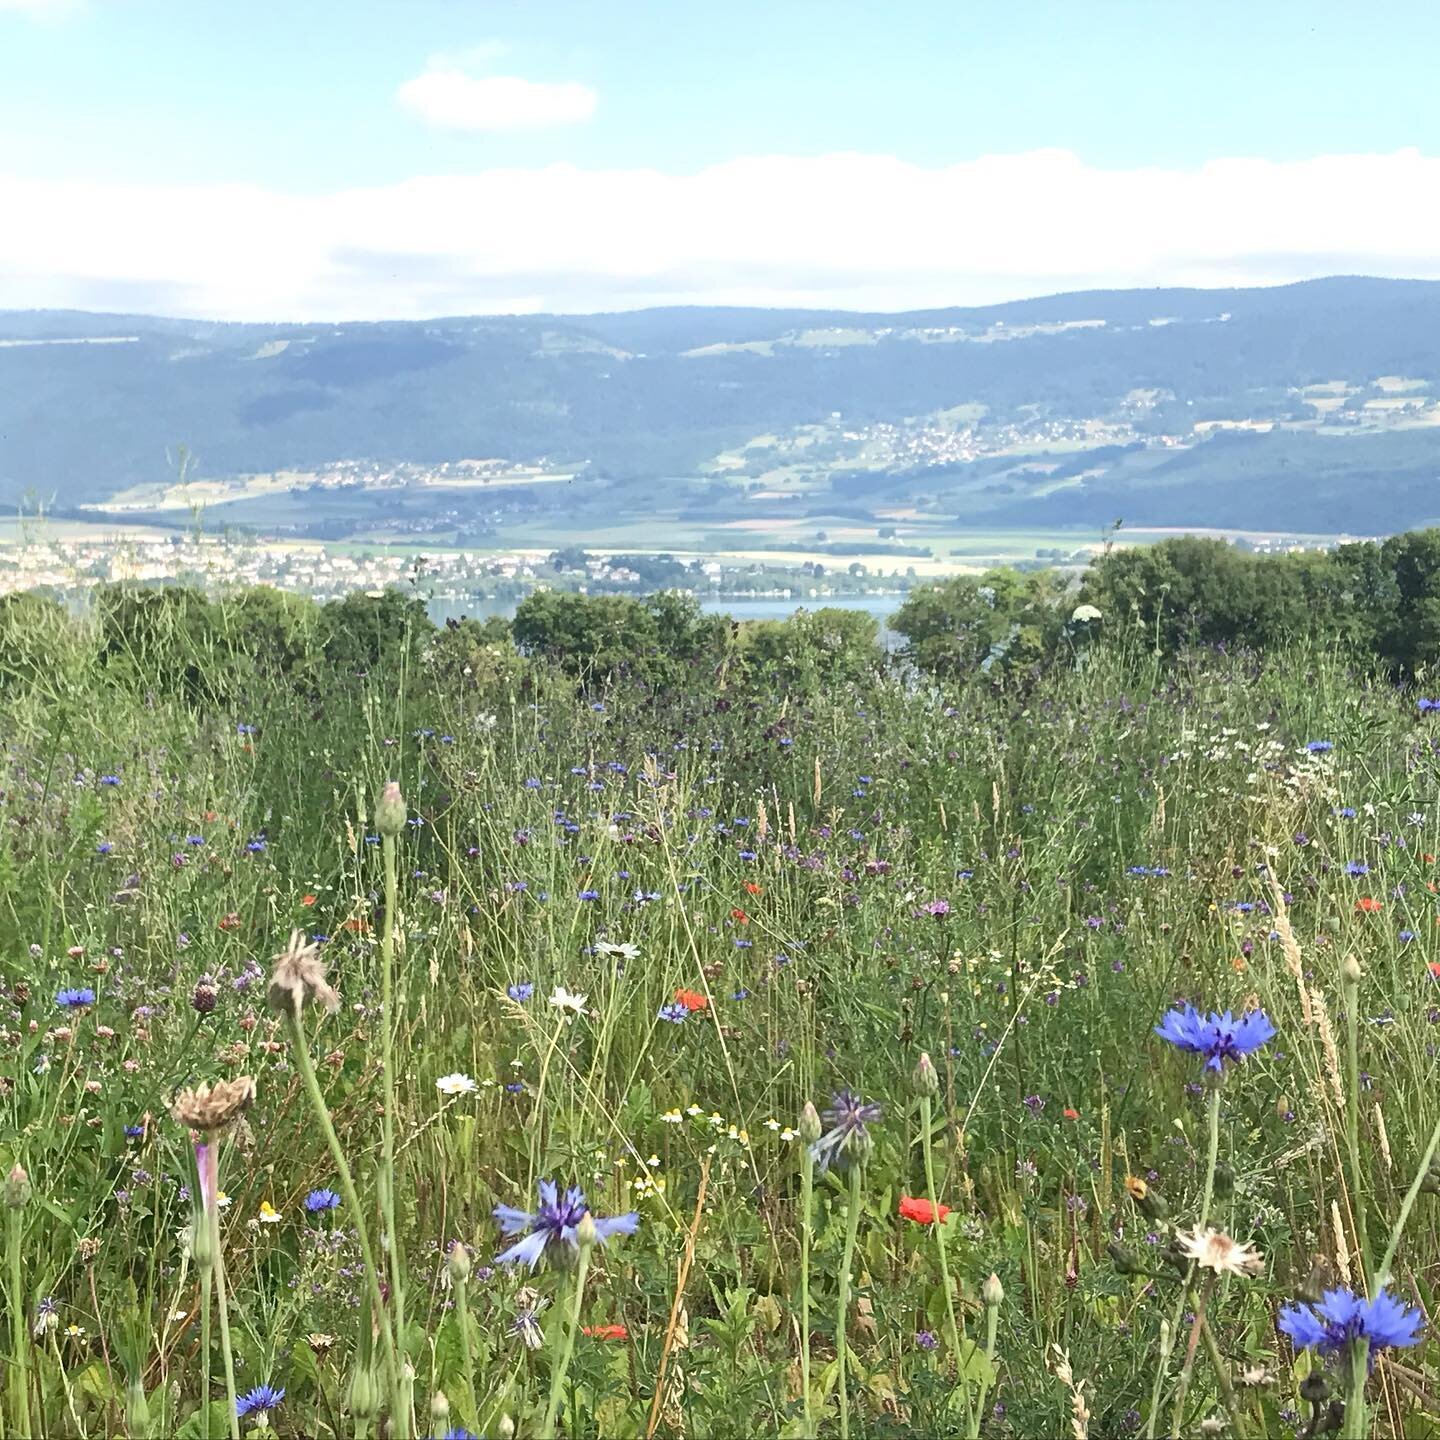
{"points": [[204, 998], [299, 975], [207, 1107]]}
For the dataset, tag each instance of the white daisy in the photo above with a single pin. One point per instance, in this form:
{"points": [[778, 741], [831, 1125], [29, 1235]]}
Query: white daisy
{"points": [[627, 950], [562, 999], [456, 1084]]}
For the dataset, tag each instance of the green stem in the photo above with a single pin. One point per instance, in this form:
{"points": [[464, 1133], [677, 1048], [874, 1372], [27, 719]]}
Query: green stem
{"points": [[1162, 1364], [1382, 1275], [952, 1333], [572, 1325], [1212, 1156], [401, 1420], [213, 1220], [462, 1301], [992, 1317], [1187, 1370], [20, 1360], [807, 1187], [1352, 1123], [1223, 1382], [343, 1177], [207, 1291], [852, 1229], [1354, 1427]]}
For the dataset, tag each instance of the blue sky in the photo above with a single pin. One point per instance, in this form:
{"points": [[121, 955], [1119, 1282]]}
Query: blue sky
{"points": [[541, 114]]}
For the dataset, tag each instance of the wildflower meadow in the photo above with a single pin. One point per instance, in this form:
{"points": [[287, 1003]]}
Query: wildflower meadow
{"points": [[457, 1043]]}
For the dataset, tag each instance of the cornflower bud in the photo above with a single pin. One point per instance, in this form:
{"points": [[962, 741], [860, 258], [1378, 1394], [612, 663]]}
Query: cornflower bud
{"points": [[586, 1235], [458, 1263], [992, 1292], [1350, 971], [1122, 1258], [810, 1127], [17, 1188], [137, 1408], [439, 1408], [390, 813], [506, 1428], [926, 1080], [364, 1395]]}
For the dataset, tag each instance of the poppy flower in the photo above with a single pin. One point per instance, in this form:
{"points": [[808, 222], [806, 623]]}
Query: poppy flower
{"points": [[751, 888], [1070, 1113], [920, 1211], [1368, 904], [1434, 968], [357, 924], [307, 899], [1429, 859], [739, 917], [607, 1332], [692, 1000], [230, 921]]}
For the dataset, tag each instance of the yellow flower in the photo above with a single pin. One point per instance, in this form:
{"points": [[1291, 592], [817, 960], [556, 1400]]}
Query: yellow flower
{"points": [[269, 1215]]}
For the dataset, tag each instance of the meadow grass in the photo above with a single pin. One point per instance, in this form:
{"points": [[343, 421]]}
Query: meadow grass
{"points": [[762, 900]]}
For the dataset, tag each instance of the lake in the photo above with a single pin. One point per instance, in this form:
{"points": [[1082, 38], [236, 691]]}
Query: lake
{"points": [[760, 608]]}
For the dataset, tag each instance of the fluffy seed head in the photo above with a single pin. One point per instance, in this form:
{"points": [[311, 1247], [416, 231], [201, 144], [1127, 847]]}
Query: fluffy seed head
{"points": [[299, 975]]}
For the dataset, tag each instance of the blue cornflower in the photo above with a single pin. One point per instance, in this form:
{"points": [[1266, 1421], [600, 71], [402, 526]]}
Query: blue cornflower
{"points": [[1217, 1037], [589, 894], [319, 1200], [459, 1433], [550, 1230], [260, 1401], [255, 846], [104, 847], [134, 1132], [675, 1013], [848, 1138], [1342, 1317], [1428, 707], [1319, 747], [110, 780], [521, 991], [75, 999], [1356, 868], [244, 729]]}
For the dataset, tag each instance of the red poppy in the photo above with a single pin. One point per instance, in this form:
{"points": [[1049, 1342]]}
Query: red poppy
{"points": [[607, 1332], [692, 1000], [751, 888], [230, 921], [1368, 904], [739, 917], [920, 1211], [209, 817], [307, 899], [1429, 859], [1435, 968], [1070, 1113], [357, 924]]}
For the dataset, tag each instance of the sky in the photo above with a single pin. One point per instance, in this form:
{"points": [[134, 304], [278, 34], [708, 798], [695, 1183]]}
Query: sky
{"points": [[409, 158]]}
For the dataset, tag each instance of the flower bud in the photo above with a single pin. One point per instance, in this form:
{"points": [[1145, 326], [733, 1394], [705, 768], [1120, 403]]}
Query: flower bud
{"points": [[17, 1188], [458, 1263], [390, 813], [810, 1127], [586, 1235], [137, 1408], [439, 1408], [1350, 972], [925, 1082], [505, 1428], [1151, 1203], [1224, 1181], [364, 1396], [992, 1292], [1314, 1388], [1123, 1258]]}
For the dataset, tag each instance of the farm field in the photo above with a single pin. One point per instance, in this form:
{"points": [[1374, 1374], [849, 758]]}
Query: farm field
{"points": [[442, 1038]]}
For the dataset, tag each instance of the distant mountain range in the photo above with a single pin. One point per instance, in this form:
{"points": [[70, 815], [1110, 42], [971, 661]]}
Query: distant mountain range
{"points": [[1306, 408]]}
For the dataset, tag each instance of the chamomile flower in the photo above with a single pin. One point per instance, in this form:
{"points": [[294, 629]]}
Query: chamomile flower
{"points": [[269, 1215], [456, 1084], [564, 1000]]}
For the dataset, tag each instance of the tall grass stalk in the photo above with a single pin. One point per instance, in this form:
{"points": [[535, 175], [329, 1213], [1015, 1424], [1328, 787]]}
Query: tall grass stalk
{"points": [[952, 1330], [19, 1341], [842, 1313], [807, 1225]]}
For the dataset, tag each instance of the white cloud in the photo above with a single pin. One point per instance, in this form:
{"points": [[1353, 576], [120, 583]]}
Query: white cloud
{"points": [[865, 231], [447, 97]]}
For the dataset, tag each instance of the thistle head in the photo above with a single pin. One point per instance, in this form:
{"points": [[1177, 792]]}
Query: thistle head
{"points": [[208, 1108]]}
